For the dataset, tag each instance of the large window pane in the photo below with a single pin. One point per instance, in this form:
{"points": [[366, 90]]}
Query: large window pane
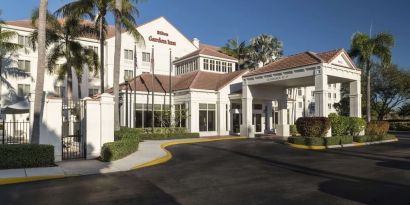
{"points": [[202, 120], [138, 119], [211, 120]]}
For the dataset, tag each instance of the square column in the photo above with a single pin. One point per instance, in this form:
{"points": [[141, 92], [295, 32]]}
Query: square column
{"points": [[268, 117], [283, 125], [321, 85], [247, 129], [355, 99]]}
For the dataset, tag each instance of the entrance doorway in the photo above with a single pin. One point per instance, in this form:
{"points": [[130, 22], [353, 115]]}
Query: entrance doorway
{"points": [[236, 120], [257, 121]]}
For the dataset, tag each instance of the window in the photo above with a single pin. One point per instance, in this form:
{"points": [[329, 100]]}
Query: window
{"points": [[212, 65], [94, 48], [23, 90], [24, 65], [236, 106], [300, 92], [59, 91], [93, 91], [128, 54], [300, 104], [330, 86], [180, 115], [229, 67], [329, 95], [313, 93], [128, 74], [206, 64], [334, 85], [224, 67], [334, 95], [207, 117], [146, 57], [218, 66], [24, 41], [329, 106], [257, 106]]}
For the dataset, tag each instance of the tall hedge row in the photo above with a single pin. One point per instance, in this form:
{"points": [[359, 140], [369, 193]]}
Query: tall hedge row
{"points": [[26, 155], [313, 126]]}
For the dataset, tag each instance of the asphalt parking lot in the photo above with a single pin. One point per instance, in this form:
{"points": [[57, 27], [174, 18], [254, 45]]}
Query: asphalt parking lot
{"points": [[241, 172]]}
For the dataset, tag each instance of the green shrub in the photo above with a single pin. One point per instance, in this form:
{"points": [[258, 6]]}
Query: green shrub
{"points": [[339, 124], [356, 126], [346, 139], [309, 141], [377, 128], [161, 136], [334, 140], [372, 138], [128, 133], [26, 155], [119, 149], [400, 126], [293, 130], [313, 126]]}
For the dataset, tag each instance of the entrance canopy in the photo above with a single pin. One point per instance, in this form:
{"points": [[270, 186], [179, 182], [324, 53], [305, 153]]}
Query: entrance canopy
{"points": [[300, 70], [20, 107]]}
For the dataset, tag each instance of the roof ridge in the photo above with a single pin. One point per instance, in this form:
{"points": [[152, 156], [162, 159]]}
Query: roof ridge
{"points": [[314, 55]]}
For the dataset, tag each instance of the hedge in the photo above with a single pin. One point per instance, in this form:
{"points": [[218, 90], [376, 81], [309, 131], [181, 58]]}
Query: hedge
{"points": [[128, 133], [377, 128], [339, 124], [26, 156], [119, 149], [356, 126], [309, 141], [313, 126], [400, 126], [372, 138], [162, 136], [337, 140], [293, 130]]}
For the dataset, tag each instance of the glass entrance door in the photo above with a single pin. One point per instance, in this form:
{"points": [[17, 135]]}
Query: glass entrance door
{"points": [[257, 122], [236, 120]]}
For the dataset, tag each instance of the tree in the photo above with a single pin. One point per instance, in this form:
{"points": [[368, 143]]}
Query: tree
{"points": [[41, 67], [342, 107], [404, 110], [63, 36], [117, 59], [365, 50], [237, 50], [97, 11], [265, 49], [391, 88]]}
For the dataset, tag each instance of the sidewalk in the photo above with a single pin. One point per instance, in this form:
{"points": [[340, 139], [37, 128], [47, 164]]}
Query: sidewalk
{"points": [[150, 152]]}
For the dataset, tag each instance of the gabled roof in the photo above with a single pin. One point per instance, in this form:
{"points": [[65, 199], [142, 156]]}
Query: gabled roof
{"points": [[203, 45], [208, 52], [299, 60], [194, 80]]}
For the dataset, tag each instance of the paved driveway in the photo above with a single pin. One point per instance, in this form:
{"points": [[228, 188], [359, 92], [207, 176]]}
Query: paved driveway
{"points": [[241, 172]]}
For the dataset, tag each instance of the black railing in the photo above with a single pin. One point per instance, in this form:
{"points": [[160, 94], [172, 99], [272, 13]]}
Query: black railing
{"points": [[14, 132]]}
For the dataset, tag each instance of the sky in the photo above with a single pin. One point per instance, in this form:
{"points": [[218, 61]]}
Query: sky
{"points": [[313, 25]]}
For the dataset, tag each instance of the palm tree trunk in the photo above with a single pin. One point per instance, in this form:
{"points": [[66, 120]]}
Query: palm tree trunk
{"points": [[102, 86], [41, 67], [368, 106], [117, 59]]}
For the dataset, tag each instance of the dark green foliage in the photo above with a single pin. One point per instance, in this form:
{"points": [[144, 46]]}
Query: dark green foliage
{"points": [[127, 133], [119, 149], [356, 125], [346, 139], [309, 141], [339, 124], [400, 126], [293, 130], [164, 136], [26, 155], [337, 140], [313, 126], [377, 128], [373, 138]]}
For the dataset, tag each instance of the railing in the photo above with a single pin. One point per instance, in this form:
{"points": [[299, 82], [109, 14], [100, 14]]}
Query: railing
{"points": [[14, 132]]}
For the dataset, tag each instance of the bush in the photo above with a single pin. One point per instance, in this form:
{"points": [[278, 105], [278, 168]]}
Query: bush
{"points": [[293, 130], [339, 124], [309, 141], [338, 140], [377, 128], [119, 149], [400, 126], [313, 126], [26, 155], [128, 133], [162, 136], [356, 126], [372, 138]]}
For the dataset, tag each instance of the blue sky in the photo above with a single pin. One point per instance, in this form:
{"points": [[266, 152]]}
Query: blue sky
{"points": [[315, 25]]}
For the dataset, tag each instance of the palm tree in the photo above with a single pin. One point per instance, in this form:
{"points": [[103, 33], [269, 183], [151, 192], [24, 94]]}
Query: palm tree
{"points": [[265, 49], [364, 49], [63, 35], [41, 67], [117, 59], [237, 50], [97, 11]]}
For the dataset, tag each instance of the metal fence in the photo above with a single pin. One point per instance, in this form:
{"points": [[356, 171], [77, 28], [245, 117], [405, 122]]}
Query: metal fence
{"points": [[73, 141], [14, 132]]}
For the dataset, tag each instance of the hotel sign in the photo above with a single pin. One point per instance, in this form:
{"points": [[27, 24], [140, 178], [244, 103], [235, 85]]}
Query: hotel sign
{"points": [[162, 40]]}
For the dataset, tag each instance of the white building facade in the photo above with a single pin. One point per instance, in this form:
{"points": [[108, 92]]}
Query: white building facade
{"points": [[202, 82]]}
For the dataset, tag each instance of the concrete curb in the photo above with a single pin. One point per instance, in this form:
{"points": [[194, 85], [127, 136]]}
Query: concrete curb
{"points": [[168, 155], [339, 146]]}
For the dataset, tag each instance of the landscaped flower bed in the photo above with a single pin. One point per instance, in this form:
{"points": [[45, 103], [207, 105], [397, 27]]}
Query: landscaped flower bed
{"points": [[345, 131]]}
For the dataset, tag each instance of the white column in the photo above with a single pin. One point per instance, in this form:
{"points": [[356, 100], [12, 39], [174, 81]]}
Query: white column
{"points": [[92, 127], [247, 129], [283, 126], [51, 124], [193, 120], [268, 117], [321, 86], [355, 99]]}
